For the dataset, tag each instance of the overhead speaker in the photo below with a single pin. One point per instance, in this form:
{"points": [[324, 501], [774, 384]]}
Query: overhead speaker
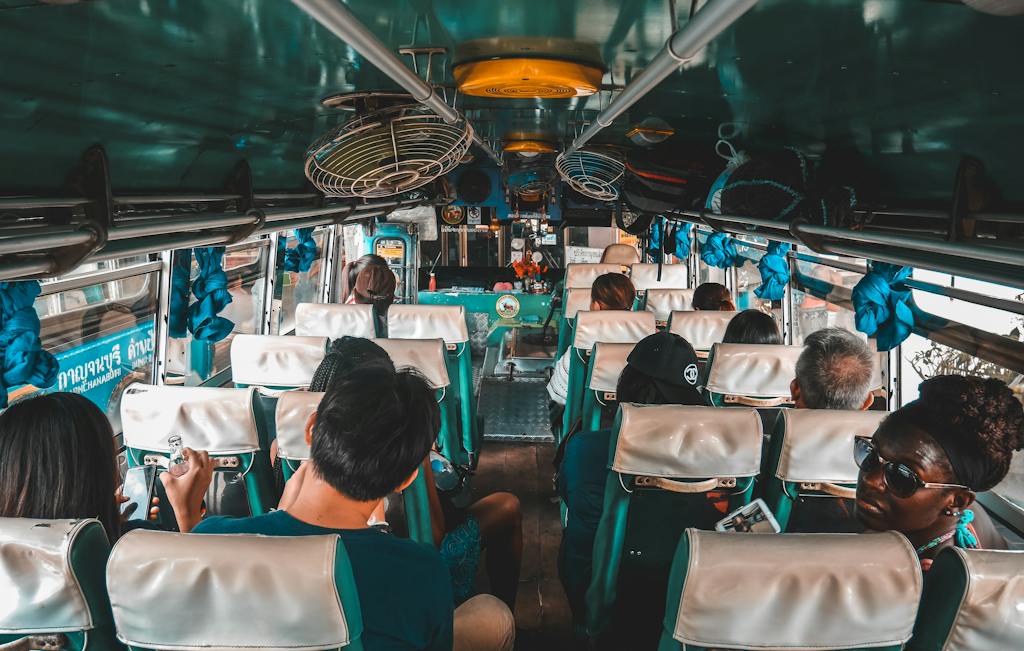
{"points": [[473, 186]]}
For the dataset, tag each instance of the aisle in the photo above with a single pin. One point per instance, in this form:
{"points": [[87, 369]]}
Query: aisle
{"points": [[542, 612]]}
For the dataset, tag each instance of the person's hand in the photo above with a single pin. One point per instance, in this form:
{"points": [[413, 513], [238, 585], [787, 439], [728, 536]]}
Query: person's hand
{"points": [[293, 486], [154, 511], [186, 492]]}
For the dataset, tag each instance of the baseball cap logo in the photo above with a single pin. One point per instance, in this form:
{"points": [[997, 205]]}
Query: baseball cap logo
{"points": [[690, 374]]}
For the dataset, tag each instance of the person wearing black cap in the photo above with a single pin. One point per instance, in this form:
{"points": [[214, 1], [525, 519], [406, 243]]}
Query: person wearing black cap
{"points": [[661, 370], [921, 470]]}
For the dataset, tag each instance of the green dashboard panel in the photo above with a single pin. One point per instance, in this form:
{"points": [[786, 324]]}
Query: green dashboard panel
{"points": [[179, 90]]}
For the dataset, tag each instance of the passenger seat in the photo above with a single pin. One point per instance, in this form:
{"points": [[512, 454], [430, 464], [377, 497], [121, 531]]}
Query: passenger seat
{"points": [[52, 584], [791, 591], [183, 592], [606, 364], [278, 362], [576, 301], [664, 302], [646, 276], [335, 320], [702, 328]]}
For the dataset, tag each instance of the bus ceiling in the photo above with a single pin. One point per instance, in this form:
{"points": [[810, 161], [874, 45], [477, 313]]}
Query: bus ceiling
{"points": [[143, 126]]}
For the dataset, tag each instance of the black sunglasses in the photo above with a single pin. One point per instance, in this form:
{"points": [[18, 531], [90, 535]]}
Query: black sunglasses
{"points": [[900, 480]]}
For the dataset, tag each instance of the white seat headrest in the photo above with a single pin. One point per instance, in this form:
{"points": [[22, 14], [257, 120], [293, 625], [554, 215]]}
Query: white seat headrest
{"points": [[218, 420], [663, 302], [188, 591], [683, 442], [702, 328], [991, 613], [755, 370], [817, 444], [798, 591], [334, 320], [276, 361], [39, 592], [620, 254], [582, 275], [613, 327], [290, 418], [606, 365], [447, 322], [673, 276], [576, 301], [425, 355]]}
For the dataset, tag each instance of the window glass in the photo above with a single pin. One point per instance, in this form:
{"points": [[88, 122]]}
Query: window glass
{"points": [[294, 287], [102, 338], [192, 362], [93, 267]]}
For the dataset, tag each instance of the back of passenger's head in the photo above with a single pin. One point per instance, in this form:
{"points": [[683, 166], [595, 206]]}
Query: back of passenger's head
{"points": [[373, 429], [346, 355], [375, 285], [353, 269], [612, 292], [713, 297], [752, 327], [834, 371], [620, 254], [57, 461], [661, 370]]}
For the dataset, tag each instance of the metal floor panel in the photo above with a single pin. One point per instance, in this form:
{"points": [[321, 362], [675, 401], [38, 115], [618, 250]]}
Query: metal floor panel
{"points": [[515, 411]]}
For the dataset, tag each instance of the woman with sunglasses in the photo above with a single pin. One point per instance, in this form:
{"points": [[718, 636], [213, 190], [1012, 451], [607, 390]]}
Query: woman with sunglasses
{"points": [[921, 470]]}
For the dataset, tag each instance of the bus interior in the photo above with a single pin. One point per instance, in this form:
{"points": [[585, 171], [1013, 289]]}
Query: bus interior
{"points": [[186, 186]]}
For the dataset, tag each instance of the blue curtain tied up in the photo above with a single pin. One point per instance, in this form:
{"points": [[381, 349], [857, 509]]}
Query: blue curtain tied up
{"points": [[302, 256], [883, 305], [682, 244], [774, 272], [25, 361], [719, 250], [177, 318], [211, 291]]}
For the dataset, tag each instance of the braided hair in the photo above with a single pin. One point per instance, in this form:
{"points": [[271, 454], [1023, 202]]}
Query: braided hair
{"points": [[346, 355]]}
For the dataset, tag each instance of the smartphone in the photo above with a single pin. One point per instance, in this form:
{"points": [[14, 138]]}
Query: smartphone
{"points": [[755, 517], [139, 487]]}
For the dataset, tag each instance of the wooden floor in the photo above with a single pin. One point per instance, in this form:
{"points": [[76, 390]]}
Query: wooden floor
{"points": [[542, 613]]}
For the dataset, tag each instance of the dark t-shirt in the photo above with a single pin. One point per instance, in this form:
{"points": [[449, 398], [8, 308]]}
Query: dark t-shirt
{"points": [[581, 481], [404, 588]]}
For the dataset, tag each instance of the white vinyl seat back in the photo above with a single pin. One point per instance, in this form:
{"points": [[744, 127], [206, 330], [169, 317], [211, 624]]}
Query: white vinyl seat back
{"points": [[673, 276], [702, 328], [445, 322], [291, 414], [663, 302], [40, 591], [817, 444], [623, 254], [276, 361], [576, 301], [334, 320], [606, 366], [218, 420], [989, 613], [797, 591], [684, 442], [613, 327], [427, 356], [187, 591], [749, 373], [582, 275]]}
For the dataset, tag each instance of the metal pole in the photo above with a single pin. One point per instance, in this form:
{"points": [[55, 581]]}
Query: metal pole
{"points": [[269, 282], [708, 23], [339, 20], [177, 225], [163, 309]]}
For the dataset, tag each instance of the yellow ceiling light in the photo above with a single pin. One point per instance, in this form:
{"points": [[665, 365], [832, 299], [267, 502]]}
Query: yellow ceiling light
{"points": [[527, 77], [529, 148]]}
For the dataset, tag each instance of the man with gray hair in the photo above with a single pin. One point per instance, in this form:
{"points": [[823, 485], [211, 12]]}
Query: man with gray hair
{"points": [[834, 371]]}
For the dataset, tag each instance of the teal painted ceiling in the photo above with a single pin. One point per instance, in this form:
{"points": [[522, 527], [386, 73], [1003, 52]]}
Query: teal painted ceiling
{"points": [[179, 90]]}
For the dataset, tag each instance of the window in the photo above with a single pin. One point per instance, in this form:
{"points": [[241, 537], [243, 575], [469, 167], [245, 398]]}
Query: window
{"points": [[294, 287], [102, 336], [812, 313], [193, 362]]}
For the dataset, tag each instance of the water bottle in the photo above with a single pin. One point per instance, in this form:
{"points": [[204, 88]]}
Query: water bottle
{"points": [[178, 464]]}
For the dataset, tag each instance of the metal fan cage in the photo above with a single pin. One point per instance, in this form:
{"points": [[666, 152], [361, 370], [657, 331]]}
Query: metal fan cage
{"points": [[386, 152], [592, 174]]}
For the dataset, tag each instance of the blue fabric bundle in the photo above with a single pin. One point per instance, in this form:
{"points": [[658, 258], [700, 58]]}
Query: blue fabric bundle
{"points": [[25, 361], [774, 272], [211, 291], [681, 235], [884, 306], [719, 250], [302, 256]]}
